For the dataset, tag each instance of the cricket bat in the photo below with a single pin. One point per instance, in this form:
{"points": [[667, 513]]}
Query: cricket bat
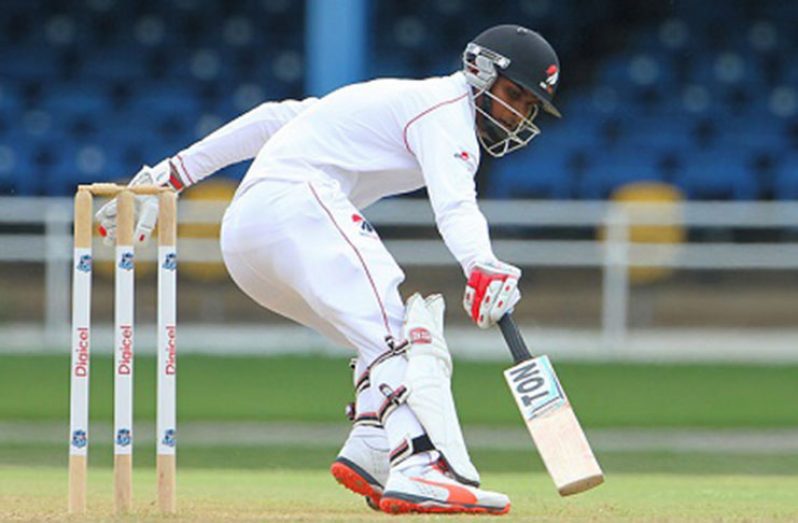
{"points": [[549, 417]]}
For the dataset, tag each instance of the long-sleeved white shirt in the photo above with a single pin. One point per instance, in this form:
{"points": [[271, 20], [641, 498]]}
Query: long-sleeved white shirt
{"points": [[376, 139], [238, 140]]}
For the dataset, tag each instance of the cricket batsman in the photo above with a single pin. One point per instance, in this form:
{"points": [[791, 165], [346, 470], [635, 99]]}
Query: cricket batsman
{"points": [[295, 241]]}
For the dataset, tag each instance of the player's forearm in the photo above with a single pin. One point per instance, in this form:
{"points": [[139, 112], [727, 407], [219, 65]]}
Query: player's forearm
{"points": [[233, 143], [465, 232], [236, 141]]}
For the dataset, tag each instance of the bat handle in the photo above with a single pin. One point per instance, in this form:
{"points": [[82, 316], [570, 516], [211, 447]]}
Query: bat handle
{"points": [[513, 338]]}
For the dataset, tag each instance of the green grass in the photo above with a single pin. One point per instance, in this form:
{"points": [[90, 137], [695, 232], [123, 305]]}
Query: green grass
{"points": [[316, 458], [28, 493], [290, 483], [316, 389]]}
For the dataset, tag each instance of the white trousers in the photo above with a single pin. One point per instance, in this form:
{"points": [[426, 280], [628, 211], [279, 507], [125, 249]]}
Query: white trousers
{"points": [[302, 250]]}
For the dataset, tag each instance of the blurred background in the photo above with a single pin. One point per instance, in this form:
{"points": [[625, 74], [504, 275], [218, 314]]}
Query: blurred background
{"points": [[670, 103], [656, 223], [669, 91]]}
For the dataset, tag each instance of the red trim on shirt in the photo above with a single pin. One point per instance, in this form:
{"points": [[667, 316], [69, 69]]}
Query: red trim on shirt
{"points": [[175, 181], [185, 171], [360, 257], [424, 112]]}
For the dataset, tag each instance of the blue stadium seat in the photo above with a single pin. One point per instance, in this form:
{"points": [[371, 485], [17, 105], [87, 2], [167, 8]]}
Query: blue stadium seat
{"points": [[636, 69], [29, 63], [718, 174], [129, 149], [115, 64], [780, 12], [16, 169], [765, 164], [571, 131], [786, 179], [754, 131], [78, 163], [129, 155], [76, 111], [10, 98], [704, 20], [664, 133], [534, 172], [204, 64], [55, 167], [171, 128], [20, 25], [615, 167], [674, 97], [77, 98], [164, 98]]}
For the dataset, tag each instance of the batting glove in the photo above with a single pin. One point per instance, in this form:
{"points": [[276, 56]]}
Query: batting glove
{"points": [[491, 292], [146, 206]]}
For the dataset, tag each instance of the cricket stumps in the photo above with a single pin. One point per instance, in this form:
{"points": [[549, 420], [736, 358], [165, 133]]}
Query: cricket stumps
{"points": [[124, 301]]}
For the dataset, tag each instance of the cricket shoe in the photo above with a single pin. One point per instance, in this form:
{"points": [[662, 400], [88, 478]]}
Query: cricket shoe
{"points": [[362, 467], [432, 489]]}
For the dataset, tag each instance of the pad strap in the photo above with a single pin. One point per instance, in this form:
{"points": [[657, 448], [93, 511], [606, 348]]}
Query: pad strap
{"points": [[394, 349], [409, 447], [393, 399], [368, 419], [365, 419], [363, 382]]}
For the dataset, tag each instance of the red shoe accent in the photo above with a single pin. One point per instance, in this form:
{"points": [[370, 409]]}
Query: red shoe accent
{"points": [[440, 466], [350, 479], [457, 494], [400, 506]]}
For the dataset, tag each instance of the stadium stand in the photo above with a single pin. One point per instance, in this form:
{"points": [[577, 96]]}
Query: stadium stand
{"points": [[677, 93]]}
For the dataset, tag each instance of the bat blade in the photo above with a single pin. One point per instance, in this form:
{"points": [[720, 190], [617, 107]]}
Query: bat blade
{"points": [[553, 426]]}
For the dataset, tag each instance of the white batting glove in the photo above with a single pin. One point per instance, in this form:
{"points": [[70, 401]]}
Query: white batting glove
{"points": [[145, 209], [491, 292]]}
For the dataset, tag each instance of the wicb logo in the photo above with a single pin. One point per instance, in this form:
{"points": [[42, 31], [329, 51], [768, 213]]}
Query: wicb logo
{"points": [[169, 437], [126, 261], [84, 263], [80, 439], [123, 437], [170, 261]]}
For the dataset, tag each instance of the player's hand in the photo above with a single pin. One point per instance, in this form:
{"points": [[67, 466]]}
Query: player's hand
{"points": [[145, 209], [491, 292]]}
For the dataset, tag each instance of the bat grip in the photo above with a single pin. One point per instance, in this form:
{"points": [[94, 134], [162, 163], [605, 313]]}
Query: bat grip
{"points": [[513, 338]]}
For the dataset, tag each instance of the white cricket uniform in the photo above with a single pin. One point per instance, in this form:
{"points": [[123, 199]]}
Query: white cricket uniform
{"points": [[293, 238]]}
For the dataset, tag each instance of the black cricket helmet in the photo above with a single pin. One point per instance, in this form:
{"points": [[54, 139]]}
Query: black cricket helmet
{"points": [[522, 56]]}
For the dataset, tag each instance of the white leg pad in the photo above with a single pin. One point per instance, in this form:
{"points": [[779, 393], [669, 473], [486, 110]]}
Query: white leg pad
{"points": [[428, 379]]}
